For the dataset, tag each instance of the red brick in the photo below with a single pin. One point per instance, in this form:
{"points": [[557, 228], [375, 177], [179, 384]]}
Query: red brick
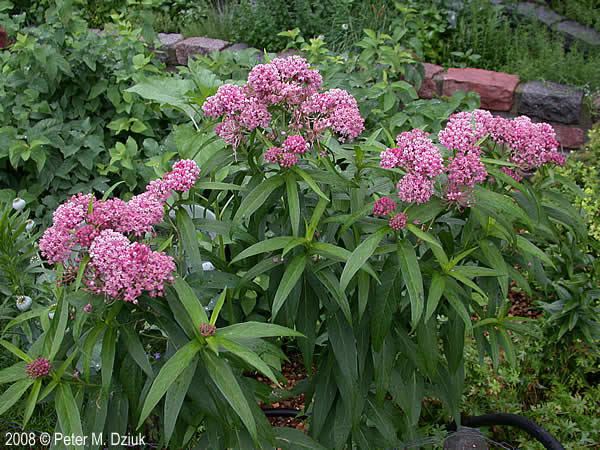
{"points": [[496, 89], [429, 88], [569, 137]]}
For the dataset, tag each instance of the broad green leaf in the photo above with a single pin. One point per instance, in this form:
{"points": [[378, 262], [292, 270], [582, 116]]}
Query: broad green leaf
{"points": [[166, 91], [251, 330], [13, 394], [360, 256], [291, 276], [411, 272], [167, 375], [175, 397], [190, 302], [268, 245], [257, 197], [223, 377]]}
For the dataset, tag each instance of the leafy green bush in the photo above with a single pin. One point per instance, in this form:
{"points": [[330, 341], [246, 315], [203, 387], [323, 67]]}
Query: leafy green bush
{"points": [[561, 397], [67, 122], [584, 169], [527, 49]]}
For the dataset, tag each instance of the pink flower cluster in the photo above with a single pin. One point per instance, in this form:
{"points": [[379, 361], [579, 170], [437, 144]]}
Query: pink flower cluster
{"points": [[38, 368], [335, 109], [420, 158], [117, 268], [288, 154], [385, 207], [122, 269], [288, 84], [284, 80], [529, 145]]}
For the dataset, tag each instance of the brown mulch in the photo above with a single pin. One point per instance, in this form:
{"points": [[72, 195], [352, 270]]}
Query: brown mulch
{"points": [[522, 305], [294, 372]]}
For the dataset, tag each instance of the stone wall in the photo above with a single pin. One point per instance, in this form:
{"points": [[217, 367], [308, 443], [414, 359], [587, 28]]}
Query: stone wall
{"points": [[501, 93]]}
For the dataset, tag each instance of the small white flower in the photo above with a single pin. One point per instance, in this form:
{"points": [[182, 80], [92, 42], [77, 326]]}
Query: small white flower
{"points": [[23, 303], [207, 266], [18, 204], [344, 26], [29, 226], [51, 314]]}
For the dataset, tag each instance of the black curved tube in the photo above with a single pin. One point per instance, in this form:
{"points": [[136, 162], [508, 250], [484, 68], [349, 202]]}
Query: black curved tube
{"points": [[283, 412], [514, 420], [486, 420]]}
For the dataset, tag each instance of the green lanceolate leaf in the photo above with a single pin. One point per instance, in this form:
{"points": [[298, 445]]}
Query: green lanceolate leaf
{"points": [[136, 350], [61, 326], [315, 219], [246, 355], [31, 401], [13, 394], [311, 182], [189, 239], [436, 289], [175, 397], [251, 330], [219, 305], [223, 377], [109, 345], [434, 244], [291, 276], [526, 246], [269, 245], [13, 373], [292, 439], [16, 351], [409, 266], [293, 203], [257, 197], [167, 375], [190, 302], [68, 411], [360, 256]]}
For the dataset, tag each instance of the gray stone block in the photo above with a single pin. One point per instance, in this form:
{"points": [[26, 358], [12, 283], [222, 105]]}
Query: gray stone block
{"points": [[538, 12], [168, 41], [550, 101], [466, 439], [198, 46], [237, 47], [575, 31]]}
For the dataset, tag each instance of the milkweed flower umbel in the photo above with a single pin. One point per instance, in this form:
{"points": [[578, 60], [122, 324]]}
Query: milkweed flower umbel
{"points": [[117, 268], [384, 206], [284, 88], [398, 222], [38, 368]]}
